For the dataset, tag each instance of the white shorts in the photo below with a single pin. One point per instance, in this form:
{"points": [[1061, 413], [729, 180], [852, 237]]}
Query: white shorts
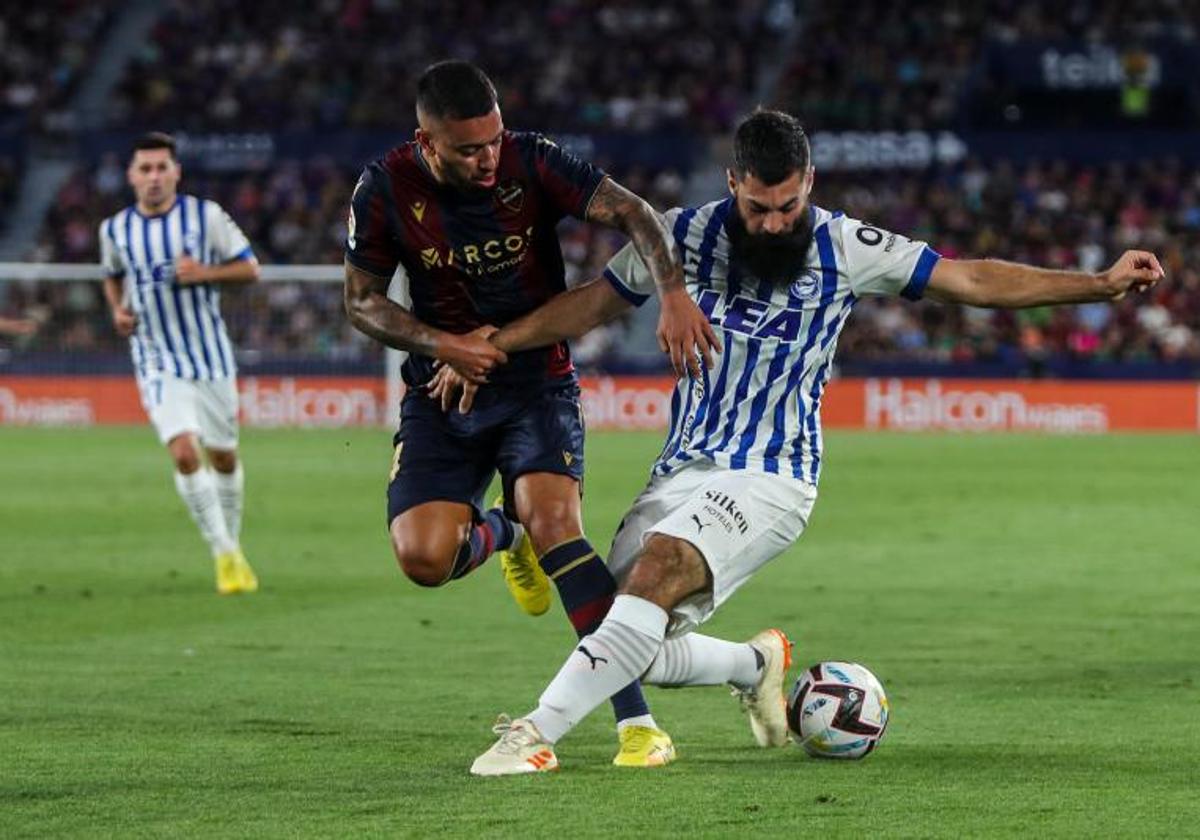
{"points": [[738, 520], [207, 409]]}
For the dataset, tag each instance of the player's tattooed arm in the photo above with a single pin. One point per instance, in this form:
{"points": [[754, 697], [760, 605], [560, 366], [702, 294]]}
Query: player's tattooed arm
{"points": [[614, 206], [373, 313], [683, 330]]}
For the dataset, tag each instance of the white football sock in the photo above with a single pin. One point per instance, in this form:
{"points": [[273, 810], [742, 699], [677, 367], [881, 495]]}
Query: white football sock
{"points": [[199, 493], [231, 488], [603, 663], [637, 720], [696, 659]]}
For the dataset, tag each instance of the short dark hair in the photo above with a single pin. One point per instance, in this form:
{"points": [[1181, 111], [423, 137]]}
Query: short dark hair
{"points": [[770, 145], [455, 90], [155, 140]]}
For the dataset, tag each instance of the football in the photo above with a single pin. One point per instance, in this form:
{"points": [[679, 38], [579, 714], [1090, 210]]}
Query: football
{"points": [[837, 710]]}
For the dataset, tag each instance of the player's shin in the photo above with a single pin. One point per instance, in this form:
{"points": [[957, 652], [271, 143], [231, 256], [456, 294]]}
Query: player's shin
{"points": [[199, 494], [231, 488], [586, 588], [620, 649]]}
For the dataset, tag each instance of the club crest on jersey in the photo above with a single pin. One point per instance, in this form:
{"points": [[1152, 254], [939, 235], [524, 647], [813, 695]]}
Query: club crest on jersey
{"points": [[418, 210], [806, 285], [191, 243], [511, 194]]}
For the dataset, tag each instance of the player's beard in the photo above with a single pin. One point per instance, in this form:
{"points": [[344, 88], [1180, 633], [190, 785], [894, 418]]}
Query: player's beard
{"points": [[776, 257]]}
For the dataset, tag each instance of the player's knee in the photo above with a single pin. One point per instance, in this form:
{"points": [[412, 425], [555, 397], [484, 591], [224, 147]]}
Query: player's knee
{"points": [[184, 454], [552, 523], [666, 571], [223, 460], [423, 564]]}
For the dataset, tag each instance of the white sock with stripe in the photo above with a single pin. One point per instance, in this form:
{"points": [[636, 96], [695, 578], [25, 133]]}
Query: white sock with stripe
{"points": [[614, 655], [696, 659], [231, 488], [199, 494]]}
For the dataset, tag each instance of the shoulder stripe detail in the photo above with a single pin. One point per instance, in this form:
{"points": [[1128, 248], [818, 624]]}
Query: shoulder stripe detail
{"points": [[636, 298], [921, 274]]}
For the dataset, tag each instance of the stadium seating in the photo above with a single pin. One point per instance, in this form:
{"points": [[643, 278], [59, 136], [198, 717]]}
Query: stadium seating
{"points": [[227, 65], [337, 68]]}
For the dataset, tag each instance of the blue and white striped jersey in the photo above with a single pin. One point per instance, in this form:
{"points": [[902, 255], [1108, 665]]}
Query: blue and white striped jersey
{"points": [[179, 328], [759, 408]]}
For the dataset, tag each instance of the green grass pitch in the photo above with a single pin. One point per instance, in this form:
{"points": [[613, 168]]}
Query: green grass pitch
{"points": [[1032, 605]]}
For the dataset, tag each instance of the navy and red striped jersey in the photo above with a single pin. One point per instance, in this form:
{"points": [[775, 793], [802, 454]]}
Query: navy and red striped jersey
{"points": [[474, 258]]}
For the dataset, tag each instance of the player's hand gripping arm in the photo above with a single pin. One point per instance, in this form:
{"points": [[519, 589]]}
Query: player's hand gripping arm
{"points": [[1006, 285], [386, 321], [682, 328], [563, 317], [190, 272], [123, 320]]}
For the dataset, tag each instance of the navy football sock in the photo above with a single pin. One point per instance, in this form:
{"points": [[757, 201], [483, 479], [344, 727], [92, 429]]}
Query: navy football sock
{"points": [[476, 548], [586, 588], [503, 532]]}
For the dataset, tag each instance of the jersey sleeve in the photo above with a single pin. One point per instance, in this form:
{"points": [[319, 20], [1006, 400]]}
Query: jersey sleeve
{"points": [[568, 181], [111, 262], [225, 238], [879, 262], [370, 244], [629, 275]]}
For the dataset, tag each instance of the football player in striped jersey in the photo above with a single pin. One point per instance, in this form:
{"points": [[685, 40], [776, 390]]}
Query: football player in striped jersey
{"points": [[737, 478], [165, 258]]}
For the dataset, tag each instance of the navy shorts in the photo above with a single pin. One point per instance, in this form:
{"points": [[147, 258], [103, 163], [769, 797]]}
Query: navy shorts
{"points": [[447, 456]]}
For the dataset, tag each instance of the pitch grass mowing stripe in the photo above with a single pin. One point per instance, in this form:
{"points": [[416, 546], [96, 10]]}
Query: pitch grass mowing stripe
{"points": [[1030, 604]]}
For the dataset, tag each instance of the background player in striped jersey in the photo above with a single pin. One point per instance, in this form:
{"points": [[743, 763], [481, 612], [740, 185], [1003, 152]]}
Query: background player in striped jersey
{"points": [[469, 210], [165, 257], [737, 477]]}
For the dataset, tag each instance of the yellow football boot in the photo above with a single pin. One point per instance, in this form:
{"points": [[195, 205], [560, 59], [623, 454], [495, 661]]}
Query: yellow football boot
{"points": [[523, 575], [644, 746], [234, 574]]}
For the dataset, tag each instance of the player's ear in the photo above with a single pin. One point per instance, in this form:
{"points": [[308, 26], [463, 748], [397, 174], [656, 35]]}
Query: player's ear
{"points": [[808, 179], [425, 141], [732, 182]]}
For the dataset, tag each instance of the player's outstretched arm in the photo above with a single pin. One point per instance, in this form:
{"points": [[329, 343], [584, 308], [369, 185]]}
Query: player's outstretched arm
{"points": [[565, 316], [1006, 285], [682, 328], [386, 321]]}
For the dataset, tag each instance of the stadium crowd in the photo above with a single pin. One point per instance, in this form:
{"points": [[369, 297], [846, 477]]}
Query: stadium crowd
{"points": [[44, 52], [559, 71], [880, 65], [567, 65]]}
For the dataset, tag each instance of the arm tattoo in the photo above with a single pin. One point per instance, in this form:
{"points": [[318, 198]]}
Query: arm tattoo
{"points": [[614, 206], [373, 313]]}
